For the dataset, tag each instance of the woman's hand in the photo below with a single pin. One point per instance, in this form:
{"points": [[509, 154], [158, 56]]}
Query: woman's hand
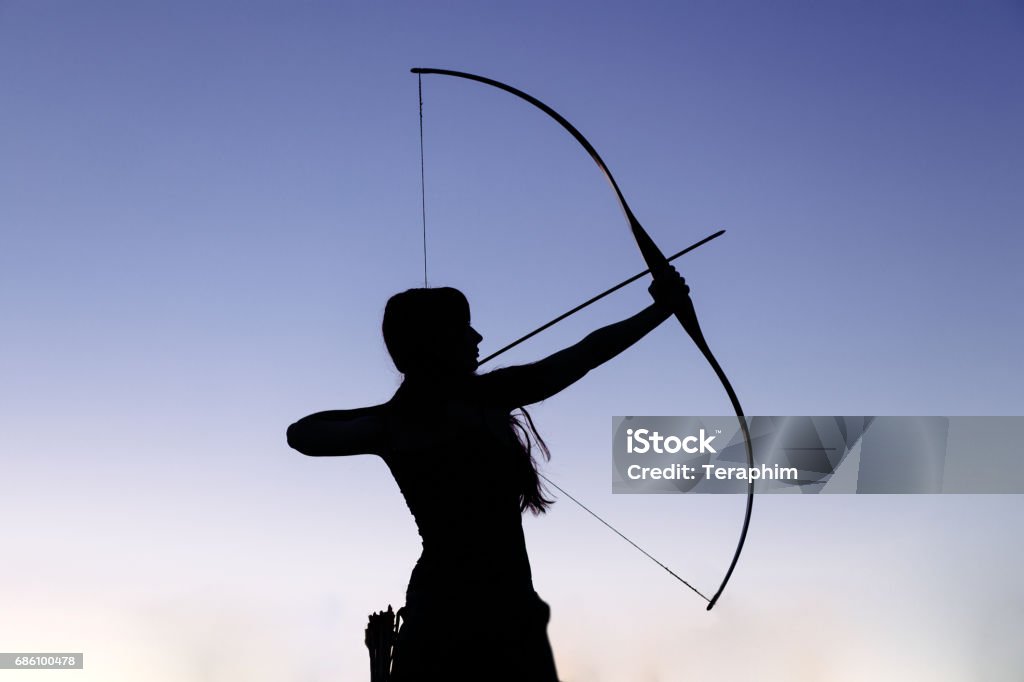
{"points": [[669, 289], [672, 295]]}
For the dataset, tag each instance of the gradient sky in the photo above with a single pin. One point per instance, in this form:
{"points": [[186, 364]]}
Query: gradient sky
{"points": [[205, 205]]}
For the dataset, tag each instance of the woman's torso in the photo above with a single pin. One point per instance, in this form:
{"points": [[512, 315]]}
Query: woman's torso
{"points": [[459, 466]]}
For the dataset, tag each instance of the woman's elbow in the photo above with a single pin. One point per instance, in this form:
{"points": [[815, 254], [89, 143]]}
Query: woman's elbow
{"points": [[298, 440]]}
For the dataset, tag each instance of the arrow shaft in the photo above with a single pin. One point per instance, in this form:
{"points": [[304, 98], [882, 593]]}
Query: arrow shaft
{"points": [[597, 298]]}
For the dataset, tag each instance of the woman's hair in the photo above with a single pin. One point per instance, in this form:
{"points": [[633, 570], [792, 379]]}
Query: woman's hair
{"points": [[415, 322], [531, 491], [415, 327]]}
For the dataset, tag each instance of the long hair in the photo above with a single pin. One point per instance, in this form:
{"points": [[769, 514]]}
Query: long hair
{"points": [[531, 493], [414, 328]]}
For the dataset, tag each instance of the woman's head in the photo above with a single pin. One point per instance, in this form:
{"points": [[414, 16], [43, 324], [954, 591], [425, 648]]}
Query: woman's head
{"points": [[429, 331]]}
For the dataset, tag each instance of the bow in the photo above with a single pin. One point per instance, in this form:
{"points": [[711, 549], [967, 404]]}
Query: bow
{"points": [[655, 260]]}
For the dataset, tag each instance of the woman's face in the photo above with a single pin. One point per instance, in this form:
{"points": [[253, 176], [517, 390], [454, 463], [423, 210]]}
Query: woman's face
{"points": [[475, 338], [461, 348]]}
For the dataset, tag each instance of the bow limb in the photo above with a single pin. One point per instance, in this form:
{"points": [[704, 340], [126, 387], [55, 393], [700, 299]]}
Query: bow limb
{"points": [[688, 320], [655, 259], [695, 333]]}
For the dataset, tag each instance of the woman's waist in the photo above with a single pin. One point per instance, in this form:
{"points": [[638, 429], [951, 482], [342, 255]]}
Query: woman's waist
{"points": [[471, 533], [468, 596], [472, 574]]}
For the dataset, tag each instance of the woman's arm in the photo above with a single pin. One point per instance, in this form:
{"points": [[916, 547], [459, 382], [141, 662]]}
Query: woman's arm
{"points": [[339, 432], [526, 384]]}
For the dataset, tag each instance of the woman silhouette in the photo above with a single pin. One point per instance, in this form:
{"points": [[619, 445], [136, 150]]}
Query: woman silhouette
{"points": [[466, 466]]}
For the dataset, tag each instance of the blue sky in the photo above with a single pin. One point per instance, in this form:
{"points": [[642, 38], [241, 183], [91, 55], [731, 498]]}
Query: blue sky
{"points": [[204, 207]]}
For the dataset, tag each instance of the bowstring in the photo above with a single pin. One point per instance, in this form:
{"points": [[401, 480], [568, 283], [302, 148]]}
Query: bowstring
{"points": [[423, 207], [423, 185], [619, 533]]}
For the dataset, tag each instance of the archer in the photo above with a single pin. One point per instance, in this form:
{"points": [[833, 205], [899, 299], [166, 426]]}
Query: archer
{"points": [[465, 463]]}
